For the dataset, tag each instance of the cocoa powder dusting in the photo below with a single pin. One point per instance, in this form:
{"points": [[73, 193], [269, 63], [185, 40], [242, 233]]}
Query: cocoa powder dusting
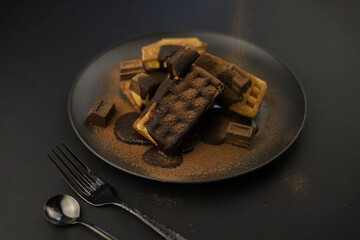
{"points": [[205, 160]]}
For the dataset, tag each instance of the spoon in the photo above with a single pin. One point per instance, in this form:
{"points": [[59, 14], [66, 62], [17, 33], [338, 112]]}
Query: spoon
{"points": [[65, 210]]}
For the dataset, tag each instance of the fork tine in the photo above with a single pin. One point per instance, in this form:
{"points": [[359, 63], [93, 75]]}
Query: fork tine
{"points": [[90, 173], [84, 175], [77, 188], [83, 183]]}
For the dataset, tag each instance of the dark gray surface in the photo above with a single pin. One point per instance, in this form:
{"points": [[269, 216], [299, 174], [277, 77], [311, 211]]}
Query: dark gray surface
{"points": [[311, 192]]}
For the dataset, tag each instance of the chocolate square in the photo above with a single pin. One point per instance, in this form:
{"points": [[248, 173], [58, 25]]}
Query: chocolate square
{"points": [[101, 113], [130, 68], [239, 135]]}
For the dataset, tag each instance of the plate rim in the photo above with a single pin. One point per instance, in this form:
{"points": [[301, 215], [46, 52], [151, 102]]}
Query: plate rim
{"points": [[99, 54]]}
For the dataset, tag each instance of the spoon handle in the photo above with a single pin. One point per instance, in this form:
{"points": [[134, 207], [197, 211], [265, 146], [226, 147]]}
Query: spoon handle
{"points": [[99, 231]]}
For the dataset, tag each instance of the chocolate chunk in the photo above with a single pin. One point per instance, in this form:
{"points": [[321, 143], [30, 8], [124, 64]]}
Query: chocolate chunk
{"points": [[180, 62], [101, 113], [167, 51], [144, 85], [130, 68], [240, 82], [177, 107], [126, 133], [239, 135]]}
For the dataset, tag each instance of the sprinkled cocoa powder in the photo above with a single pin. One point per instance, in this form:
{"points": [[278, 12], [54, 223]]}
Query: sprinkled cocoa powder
{"points": [[205, 161]]}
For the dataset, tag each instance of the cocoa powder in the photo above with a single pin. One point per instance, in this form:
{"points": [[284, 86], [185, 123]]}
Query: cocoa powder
{"points": [[204, 162]]}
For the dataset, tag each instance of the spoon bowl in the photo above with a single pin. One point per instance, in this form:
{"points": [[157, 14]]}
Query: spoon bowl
{"points": [[65, 210], [62, 210]]}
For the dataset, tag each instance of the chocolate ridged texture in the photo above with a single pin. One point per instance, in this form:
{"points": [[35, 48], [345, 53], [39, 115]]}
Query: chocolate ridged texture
{"points": [[144, 85], [235, 82], [180, 62], [167, 51], [179, 105]]}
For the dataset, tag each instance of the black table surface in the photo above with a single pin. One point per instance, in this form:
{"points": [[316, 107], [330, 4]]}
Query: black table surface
{"points": [[310, 192]]}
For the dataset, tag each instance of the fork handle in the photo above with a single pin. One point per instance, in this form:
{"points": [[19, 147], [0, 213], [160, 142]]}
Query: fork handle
{"points": [[159, 228]]}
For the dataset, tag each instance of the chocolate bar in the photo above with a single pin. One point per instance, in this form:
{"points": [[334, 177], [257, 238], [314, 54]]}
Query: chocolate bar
{"points": [[130, 68], [177, 107], [243, 91], [180, 62], [101, 113], [150, 53], [239, 135], [167, 51]]}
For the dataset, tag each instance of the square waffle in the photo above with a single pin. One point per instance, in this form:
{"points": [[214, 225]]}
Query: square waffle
{"points": [[243, 91]]}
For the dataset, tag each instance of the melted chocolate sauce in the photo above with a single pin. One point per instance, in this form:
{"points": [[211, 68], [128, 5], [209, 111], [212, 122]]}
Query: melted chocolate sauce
{"points": [[156, 158], [126, 133]]}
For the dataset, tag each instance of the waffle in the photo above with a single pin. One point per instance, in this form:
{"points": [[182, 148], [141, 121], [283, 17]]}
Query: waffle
{"points": [[243, 91], [177, 107], [252, 98], [151, 52]]}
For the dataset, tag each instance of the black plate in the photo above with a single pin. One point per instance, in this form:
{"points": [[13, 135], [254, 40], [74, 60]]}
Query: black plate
{"points": [[280, 120]]}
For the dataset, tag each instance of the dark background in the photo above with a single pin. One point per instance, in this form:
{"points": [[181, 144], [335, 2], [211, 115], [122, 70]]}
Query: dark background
{"points": [[310, 192]]}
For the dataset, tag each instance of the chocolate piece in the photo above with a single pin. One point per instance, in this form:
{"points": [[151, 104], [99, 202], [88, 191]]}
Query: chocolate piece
{"points": [[235, 82], [177, 107], [130, 68], [126, 133], [101, 113], [240, 82], [167, 51], [239, 135], [180, 62], [144, 85]]}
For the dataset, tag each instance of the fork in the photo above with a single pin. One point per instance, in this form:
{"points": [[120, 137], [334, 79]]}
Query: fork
{"points": [[95, 191]]}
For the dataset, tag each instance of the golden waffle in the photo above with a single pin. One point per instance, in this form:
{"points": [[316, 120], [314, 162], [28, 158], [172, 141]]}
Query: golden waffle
{"points": [[252, 98], [243, 91]]}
